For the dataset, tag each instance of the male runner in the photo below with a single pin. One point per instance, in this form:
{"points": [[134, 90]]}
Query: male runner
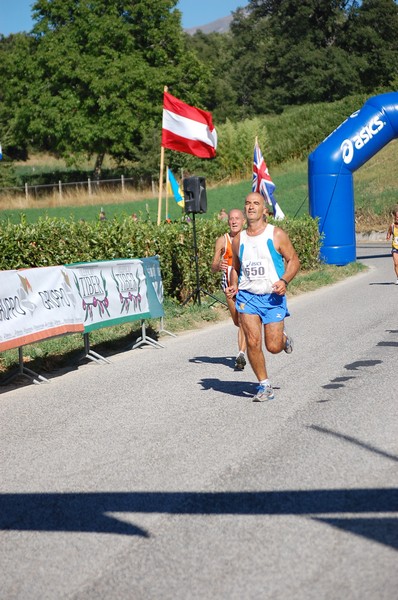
{"points": [[265, 262]]}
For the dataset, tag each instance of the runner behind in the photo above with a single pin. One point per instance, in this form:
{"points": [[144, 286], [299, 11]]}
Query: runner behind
{"points": [[222, 261]]}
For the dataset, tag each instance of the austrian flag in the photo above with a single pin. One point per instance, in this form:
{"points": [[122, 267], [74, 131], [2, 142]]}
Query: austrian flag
{"points": [[187, 129]]}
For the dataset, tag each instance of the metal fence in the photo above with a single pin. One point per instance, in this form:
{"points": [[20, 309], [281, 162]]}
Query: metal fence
{"points": [[89, 186]]}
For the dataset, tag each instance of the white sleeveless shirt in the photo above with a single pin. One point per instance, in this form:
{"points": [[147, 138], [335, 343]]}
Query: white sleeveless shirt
{"points": [[261, 264]]}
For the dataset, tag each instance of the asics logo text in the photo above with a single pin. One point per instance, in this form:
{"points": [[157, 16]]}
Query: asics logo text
{"points": [[358, 141]]}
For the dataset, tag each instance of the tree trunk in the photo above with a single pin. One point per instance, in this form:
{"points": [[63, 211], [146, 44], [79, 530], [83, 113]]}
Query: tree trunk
{"points": [[98, 165]]}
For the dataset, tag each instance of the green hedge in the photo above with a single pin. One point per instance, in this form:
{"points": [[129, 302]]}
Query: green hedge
{"points": [[53, 241]]}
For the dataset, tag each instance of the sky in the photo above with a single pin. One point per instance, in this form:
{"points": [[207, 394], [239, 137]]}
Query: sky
{"points": [[15, 15]]}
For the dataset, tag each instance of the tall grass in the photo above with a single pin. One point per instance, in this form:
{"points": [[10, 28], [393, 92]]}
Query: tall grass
{"points": [[376, 192], [291, 194]]}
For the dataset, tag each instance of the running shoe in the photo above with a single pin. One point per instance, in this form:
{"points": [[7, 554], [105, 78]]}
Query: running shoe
{"points": [[240, 362], [288, 344], [264, 393]]}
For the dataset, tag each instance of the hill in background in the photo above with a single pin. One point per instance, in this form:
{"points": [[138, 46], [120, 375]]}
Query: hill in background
{"points": [[217, 26]]}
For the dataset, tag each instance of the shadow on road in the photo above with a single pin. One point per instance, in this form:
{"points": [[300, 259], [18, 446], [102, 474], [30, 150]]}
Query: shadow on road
{"points": [[382, 530], [92, 512], [242, 389], [355, 441], [228, 361]]}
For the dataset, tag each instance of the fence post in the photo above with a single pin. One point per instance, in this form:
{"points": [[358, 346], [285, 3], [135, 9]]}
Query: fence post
{"points": [[26, 191], [89, 186], [122, 180], [60, 189]]}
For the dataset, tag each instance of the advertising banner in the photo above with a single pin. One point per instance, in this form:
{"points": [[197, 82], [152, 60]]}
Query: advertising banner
{"points": [[154, 277], [110, 292], [36, 304]]}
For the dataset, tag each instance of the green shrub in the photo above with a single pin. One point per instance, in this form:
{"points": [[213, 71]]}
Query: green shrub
{"points": [[304, 235], [53, 241]]}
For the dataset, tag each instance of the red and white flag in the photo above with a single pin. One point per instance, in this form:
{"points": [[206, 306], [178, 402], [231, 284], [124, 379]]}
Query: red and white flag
{"points": [[187, 129]]}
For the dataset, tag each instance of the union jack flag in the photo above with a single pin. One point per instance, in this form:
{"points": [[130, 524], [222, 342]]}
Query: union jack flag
{"points": [[263, 183]]}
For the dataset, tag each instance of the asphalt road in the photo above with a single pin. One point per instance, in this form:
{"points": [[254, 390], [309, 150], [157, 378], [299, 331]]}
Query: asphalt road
{"points": [[156, 477]]}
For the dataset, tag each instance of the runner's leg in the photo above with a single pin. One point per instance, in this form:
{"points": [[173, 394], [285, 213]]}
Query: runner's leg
{"points": [[252, 327], [274, 337], [395, 259]]}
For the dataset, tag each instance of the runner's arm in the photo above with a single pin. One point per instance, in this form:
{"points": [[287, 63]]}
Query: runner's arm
{"points": [[219, 250], [233, 288]]}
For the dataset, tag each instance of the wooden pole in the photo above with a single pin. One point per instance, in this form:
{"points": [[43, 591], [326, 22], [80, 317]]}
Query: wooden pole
{"points": [[167, 192], [160, 184], [161, 177]]}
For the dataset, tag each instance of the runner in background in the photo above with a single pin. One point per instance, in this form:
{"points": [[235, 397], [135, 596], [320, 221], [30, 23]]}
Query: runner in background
{"points": [[222, 261], [392, 234]]}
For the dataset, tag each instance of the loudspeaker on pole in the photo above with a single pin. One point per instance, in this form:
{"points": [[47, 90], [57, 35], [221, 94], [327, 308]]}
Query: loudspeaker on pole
{"points": [[195, 195]]}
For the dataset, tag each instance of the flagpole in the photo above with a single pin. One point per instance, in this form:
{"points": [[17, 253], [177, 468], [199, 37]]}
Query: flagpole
{"points": [[161, 176], [160, 184], [167, 192]]}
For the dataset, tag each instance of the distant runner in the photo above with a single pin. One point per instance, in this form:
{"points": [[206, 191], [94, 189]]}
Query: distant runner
{"points": [[222, 261], [392, 234]]}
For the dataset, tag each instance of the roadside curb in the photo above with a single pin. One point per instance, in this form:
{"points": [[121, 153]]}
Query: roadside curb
{"points": [[371, 236]]}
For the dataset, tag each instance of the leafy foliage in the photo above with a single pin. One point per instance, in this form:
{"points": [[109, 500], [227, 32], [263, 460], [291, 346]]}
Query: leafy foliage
{"points": [[88, 80], [371, 35], [59, 241], [305, 52], [16, 70], [97, 74]]}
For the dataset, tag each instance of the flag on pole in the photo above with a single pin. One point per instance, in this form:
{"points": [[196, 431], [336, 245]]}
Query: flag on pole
{"points": [[263, 183], [187, 129], [1, 153], [175, 189]]}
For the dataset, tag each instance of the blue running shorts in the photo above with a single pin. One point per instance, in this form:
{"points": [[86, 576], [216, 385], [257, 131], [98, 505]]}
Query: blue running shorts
{"points": [[271, 308]]}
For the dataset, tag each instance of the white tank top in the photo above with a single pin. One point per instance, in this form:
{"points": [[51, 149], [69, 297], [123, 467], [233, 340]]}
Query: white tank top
{"points": [[261, 264]]}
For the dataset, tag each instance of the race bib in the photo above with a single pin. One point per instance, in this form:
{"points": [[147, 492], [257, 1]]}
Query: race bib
{"points": [[255, 269]]}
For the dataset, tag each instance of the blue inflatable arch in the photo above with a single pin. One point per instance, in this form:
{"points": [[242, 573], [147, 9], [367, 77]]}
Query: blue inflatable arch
{"points": [[331, 167]]}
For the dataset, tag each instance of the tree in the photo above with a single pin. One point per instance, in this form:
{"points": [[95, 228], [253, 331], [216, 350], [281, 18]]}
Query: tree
{"points": [[250, 72], [15, 74], [100, 70], [371, 34], [215, 50], [304, 62]]}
